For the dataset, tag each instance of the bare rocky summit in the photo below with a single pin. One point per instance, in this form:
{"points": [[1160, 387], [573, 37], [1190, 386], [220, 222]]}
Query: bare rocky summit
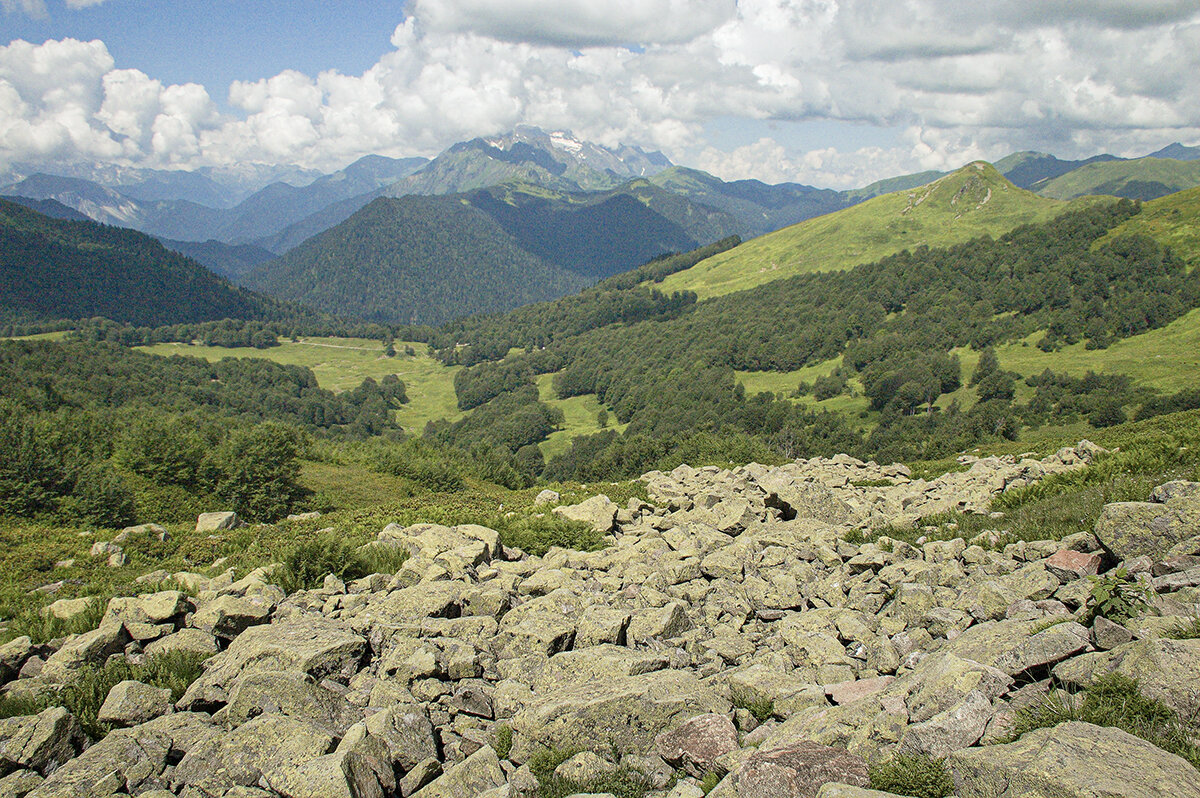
{"points": [[728, 629]]}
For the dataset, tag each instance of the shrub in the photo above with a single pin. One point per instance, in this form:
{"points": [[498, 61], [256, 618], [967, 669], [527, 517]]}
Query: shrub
{"points": [[41, 626], [914, 775], [538, 535], [306, 564], [85, 693], [1116, 596]]}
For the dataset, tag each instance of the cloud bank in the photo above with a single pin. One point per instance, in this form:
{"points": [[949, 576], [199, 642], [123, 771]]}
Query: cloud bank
{"points": [[961, 81]]}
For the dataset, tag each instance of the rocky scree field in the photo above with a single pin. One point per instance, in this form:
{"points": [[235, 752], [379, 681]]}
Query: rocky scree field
{"points": [[730, 641]]}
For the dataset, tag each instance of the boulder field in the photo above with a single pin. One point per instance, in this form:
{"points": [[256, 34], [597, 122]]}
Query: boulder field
{"points": [[728, 634]]}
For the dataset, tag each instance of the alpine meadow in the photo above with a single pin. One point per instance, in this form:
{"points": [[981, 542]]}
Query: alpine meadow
{"points": [[729, 398]]}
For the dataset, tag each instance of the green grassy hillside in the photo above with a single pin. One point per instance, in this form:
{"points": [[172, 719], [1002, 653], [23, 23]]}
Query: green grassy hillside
{"points": [[1173, 220], [970, 202], [1142, 178]]}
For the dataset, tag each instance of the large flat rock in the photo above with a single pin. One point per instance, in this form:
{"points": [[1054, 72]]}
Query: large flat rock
{"points": [[1073, 760]]}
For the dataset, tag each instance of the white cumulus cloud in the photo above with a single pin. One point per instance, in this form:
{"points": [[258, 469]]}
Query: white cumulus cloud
{"points": [[965, 81]]}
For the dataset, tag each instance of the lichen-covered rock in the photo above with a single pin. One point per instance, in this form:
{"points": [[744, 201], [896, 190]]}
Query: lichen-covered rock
{"points": [[310, 644], [217, 521], [1135, 529], [798, 770], [89, 648], [130, 703], [627, 712], [41, 742], [1165, 670], [291, 693], [1073, 759], [473, 776], [241, 757], [228, 616], [133, 761], [599, 512]]}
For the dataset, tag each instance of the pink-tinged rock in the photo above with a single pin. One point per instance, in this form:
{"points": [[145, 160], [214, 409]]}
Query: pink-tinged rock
{"points": [[797, 770], [857, 690], [1068, 565], [698, 743]]}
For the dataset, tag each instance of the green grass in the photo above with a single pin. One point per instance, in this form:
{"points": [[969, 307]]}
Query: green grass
{"points": [[968, 203], [579, 417], [1111, 177], [914, 775], [1114, 700], [343, 363], [622, 784]]}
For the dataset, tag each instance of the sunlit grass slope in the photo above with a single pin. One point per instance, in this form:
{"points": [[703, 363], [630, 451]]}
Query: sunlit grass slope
{"points": [[1173, 220], [1142, 178], [968, 203], [343, 363]]}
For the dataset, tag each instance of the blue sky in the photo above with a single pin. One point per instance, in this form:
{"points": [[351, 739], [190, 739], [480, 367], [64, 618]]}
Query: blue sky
{"points": [[829, 92], [215, 42]]}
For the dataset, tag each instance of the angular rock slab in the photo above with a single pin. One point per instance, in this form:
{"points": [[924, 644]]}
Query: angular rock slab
{"points": [[41, 742], [698, 743], [1134, 529], [1166, 670], [1073, 760], [130, 760], [309, 644], [798, 770], [240, 758], [626, 712], [475, 775]]}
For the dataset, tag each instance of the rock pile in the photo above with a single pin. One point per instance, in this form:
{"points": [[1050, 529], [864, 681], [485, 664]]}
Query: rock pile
{"points": [[728, 629]]}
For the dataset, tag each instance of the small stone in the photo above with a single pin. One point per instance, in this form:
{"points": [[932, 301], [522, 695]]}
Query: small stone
{"points": [[698, 743], [1107, 635], [215, 522]]}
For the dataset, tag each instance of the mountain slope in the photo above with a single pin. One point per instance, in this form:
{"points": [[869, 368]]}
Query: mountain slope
{"points": [[1141, 178], [761, 208], [970, 202], [231, 261], [414, 260], [56, 269], [1177, 151], [1173, 221], [1033, 169]]}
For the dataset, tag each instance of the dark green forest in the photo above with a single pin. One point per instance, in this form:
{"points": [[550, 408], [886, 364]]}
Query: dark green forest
{"points": [[63, 269], [413, 260]]}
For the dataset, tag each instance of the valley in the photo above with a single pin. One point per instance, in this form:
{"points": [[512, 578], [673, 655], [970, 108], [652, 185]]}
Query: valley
{"points": [[568, 446]]}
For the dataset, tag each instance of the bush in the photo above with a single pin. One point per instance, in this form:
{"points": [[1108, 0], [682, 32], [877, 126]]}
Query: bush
{"points": [[913, 775], [536, 536], [306, 565], [85, 693], [1116, 596], [502, 743]]}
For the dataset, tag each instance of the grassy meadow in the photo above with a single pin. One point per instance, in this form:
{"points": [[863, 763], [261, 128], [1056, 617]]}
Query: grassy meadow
{"points": [[968, 203]]}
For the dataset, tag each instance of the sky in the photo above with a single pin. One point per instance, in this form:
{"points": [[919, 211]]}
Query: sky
{"points": [[833, 93]]}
